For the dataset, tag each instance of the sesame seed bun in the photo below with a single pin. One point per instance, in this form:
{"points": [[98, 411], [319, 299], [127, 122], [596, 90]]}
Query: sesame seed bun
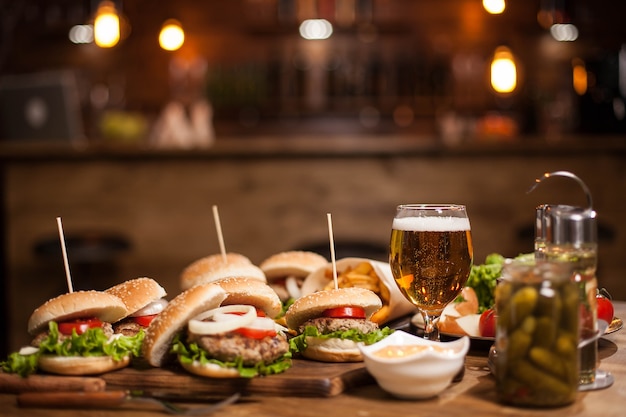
{"points": [[215, 267], [174, 317], [138, 293], [80, 365], [332, 350], [79, 304], [296, 263], [250, 291]]}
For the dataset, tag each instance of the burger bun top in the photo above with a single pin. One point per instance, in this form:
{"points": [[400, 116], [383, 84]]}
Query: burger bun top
{"points": [[292, 263], [138, 293], [215, 267], [313, 305], [78, 304], [174, 318], [250, 291]]}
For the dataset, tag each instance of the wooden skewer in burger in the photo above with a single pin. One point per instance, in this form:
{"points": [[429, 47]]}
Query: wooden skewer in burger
{"points": [[217, 266], [74, 335], [330, 323]]}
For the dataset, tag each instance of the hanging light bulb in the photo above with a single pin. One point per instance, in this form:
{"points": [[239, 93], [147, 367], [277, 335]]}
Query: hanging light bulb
{"points": [[503, 71], [494, 6], [316, 29], [106, 26], [172, 35], [579, 76]]}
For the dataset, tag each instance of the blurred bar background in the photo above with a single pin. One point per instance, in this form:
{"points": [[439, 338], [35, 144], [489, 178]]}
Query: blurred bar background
{"points": [[280, 111]]}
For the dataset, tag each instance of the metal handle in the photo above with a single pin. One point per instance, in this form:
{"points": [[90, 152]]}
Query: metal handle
{"points": [[569, 175]]}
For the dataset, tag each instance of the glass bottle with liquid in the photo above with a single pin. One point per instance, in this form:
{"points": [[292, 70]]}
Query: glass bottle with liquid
{"points": [[569, 233]]}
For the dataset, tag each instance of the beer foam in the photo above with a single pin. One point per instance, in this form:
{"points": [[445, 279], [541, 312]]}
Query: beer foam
{"points": [[432, 224]]}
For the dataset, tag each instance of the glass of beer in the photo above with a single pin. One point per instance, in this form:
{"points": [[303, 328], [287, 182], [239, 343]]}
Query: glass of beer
{"points": [[431, 255]]}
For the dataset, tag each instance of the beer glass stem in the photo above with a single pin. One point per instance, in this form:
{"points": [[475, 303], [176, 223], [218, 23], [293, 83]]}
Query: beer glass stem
{"points": [[431, 331]]}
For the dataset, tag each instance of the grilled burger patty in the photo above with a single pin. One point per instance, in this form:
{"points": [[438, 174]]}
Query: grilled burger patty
{"points": [[329, 325], [127, 327], [228, 347]]}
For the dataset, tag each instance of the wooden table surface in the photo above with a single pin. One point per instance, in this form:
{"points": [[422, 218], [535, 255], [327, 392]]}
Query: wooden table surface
{"points": [[473, 396]]}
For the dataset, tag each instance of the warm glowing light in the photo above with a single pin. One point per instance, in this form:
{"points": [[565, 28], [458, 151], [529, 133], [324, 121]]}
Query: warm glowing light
{"points": [[106, 25], [579, 77], [172, 35], [494, 6], [503, 71], [316, 29], [81, 34], [564, 32]]}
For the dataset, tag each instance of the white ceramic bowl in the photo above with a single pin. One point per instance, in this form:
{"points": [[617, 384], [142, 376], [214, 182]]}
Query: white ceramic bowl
{"points": [[420, 374]]}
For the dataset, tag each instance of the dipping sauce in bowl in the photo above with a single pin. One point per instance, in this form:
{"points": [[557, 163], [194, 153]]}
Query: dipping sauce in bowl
{"points": [[402, 351], [411, 367]]}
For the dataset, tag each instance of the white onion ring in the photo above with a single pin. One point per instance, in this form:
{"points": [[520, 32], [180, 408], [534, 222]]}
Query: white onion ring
{"points": [[293, 289], [225, 324], [262, 323], [155, 307], [28, 350]]}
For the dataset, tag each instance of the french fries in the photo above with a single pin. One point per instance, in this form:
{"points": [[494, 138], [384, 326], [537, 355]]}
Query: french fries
{"points": [[362, 275]]}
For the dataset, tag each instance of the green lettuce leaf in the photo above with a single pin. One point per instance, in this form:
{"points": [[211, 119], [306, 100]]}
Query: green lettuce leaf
{"points": [[484, 278], [298, 343], [91, 343], [188, 353], [23, 365]]}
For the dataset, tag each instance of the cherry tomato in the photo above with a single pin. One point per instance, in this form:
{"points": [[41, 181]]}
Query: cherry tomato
{"points": [[605, 308], [144, 321], [80, 325], [345, 313], [487, 323], [255, 333]]}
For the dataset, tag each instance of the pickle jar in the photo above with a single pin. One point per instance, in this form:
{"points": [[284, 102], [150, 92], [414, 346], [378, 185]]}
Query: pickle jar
{"points": [[537, 334]]}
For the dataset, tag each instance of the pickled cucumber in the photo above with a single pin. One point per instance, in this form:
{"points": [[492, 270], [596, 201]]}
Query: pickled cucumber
{"points": [[548, 361], [566, 344], [521, 304], [536, 339], [519, 343], [545, 332], [550, 389]]}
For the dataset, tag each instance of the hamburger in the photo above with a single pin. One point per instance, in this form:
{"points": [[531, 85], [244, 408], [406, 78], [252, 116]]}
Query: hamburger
{"points": [[221, 329], [286, 271], [330, 323], [74, 336], [144, 299], [365, 273], [217, 266]]}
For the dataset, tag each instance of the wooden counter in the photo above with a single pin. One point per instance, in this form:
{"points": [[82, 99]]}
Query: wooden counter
{"points": [[473, 396]]}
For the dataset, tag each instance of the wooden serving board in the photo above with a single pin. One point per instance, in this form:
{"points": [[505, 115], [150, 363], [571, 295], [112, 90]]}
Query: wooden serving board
{"points": [[304, 379]]}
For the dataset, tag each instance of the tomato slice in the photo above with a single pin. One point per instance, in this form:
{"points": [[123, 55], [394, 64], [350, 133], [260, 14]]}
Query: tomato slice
{"points": [[348, 312], [255, 333], [144, 321], [80, 325]]}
